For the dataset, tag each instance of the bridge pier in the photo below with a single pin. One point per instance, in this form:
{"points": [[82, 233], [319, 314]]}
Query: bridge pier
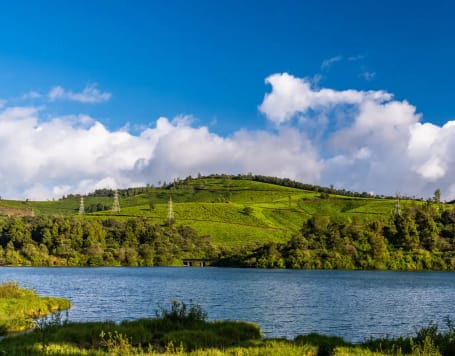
{"points": [[200, 262]]}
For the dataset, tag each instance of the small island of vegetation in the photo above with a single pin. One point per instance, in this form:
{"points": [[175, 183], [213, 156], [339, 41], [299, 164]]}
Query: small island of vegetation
{"points": [[21, 307]]}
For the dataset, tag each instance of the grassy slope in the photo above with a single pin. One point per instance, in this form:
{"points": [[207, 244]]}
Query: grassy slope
{"points": [[214, 206], [19, 306]]}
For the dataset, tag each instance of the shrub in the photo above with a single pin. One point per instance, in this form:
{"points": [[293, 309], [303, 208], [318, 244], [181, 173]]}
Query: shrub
{"points": [[182, 313]]}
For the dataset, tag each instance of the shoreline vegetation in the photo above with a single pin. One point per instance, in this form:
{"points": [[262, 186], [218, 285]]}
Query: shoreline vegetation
{"points": [[21, 308], [183, 329], [419, 239]]}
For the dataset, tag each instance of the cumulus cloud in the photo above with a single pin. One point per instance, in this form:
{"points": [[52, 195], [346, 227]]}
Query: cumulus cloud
{"points": [[181, 150], [44, 159], [77, 154], [90, 94], [291, 96], [382, 147], [357, 140]]}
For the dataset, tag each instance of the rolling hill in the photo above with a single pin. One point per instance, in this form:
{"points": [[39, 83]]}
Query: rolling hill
{"points": [[233, 210]]}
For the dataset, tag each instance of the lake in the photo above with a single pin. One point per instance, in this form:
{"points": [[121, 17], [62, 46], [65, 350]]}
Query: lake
{"points": [[355, 305]]}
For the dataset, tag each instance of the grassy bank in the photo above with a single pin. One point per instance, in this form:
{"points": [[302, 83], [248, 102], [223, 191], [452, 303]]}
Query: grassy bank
{"points": [[184, 330], [19, 307]]}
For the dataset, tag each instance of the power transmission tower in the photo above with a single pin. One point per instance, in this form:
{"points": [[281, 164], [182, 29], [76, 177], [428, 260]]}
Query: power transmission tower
{"points": [[81, 207], [116, 204], [397, 211], [170, 212]]}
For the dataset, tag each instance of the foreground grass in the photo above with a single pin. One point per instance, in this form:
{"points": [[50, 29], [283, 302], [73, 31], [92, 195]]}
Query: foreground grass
{"points": [[184, 330], [159, 337], [19, 307]]}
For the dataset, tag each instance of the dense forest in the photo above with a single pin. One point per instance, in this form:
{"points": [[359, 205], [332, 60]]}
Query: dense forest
{"points": [[421, 237], [66, 241]]}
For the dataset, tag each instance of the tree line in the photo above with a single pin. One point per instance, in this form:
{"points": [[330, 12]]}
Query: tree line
{"points": [[419, 238], [64, 241]]}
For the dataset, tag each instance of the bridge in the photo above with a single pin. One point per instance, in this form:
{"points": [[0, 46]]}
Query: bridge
{"points": [[198, 262]]}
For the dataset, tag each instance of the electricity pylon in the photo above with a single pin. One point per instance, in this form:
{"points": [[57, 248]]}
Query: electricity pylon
{"points": [[81, 207], [397, 211], [116, 204], [170, 212]]}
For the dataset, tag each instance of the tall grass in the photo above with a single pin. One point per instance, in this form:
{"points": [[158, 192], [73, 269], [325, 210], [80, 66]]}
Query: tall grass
{"points": [[19, 307], [183, 329]]}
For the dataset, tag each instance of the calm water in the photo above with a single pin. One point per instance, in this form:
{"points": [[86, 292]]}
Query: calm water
{"points": [[354, 305]]}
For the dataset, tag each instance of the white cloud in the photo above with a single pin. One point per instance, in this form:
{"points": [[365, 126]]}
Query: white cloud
{"points": [[91, 94], [381, 146], [368, 75], [2, 103], [183, 150], [32, 95], [291, 96], [357, 140], [328, 62], [45, 159]]}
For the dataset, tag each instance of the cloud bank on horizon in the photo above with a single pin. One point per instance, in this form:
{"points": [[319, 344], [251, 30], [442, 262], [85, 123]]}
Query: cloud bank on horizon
{"points": [[356, 140]]}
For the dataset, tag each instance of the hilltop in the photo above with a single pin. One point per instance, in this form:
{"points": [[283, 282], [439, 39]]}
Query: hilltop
{"points": [[232, 210]]}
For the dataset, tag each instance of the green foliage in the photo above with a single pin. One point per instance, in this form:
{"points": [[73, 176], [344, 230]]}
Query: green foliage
{"points": [[116, 343], [11, 289], [246, 220], [62, 241], [410, 241], [175, 332], [247, 210], [181, 328], [180, 312], [20, 307], [325, 344], [45, 325]]}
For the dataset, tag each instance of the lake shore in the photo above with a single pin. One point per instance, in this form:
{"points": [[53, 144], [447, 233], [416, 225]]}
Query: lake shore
{"points": [[184, 330], [20, 307], [181, 329], [285, 303]]}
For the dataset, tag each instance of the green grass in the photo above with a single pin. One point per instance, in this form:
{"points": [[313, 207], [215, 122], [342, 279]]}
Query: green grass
{"points": [[214, 206], [184, 330], [165, 336], [19, 306]]}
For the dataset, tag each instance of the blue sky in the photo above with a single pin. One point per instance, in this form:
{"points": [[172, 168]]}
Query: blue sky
{"points": [[210, 59]]}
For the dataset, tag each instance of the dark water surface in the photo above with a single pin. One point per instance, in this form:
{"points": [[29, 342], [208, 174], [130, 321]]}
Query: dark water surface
{"points": [[353, 304]]}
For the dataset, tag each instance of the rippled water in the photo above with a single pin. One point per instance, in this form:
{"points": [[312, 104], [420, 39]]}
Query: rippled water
{"points": [[353, 304]]}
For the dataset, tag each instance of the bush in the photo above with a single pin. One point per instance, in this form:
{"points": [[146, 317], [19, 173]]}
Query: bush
{"points": [[247, 210], [182, 313]]}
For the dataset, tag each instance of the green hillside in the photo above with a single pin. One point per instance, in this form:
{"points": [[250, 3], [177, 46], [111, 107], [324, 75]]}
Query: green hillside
{"points": [[232, 210]]}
